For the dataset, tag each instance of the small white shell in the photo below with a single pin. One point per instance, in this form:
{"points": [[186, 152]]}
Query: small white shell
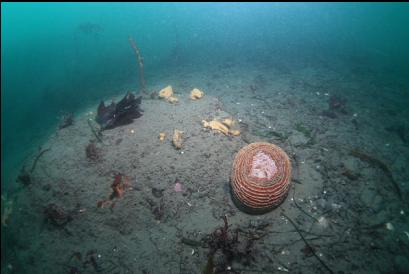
{"points": [[389, 226]]}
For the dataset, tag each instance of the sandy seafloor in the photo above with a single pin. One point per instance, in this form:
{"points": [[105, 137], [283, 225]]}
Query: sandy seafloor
{"points": [[351, 214]]}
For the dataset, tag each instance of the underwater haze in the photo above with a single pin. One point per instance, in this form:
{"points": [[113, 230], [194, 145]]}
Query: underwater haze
{"points": [[327, 82]]}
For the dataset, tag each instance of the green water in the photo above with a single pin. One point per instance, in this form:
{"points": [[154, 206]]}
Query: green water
{"points": [[67, 57], [49, 65]]}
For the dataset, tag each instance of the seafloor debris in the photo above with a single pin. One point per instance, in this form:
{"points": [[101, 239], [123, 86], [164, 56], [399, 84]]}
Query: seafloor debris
{"points": [[97, 133], [216, 125], [92, 152], [178, 186], [177, 139], [139, 58], [120, 184], [162, 136], [308, 248], [157, 193], [225, 247], [122, 113], [81, 262], [377, 163], [260, 177], [66, 120], [350, 174], [158, 210], [336, 104], [154, 94], [25, 176], [56, 215], [401, 131], [196, 94], [6, 209], [167, 94], [227, 126], [300, 127]]}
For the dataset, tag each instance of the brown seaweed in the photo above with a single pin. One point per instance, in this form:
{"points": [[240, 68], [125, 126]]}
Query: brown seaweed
{"points": [[379, 164]]}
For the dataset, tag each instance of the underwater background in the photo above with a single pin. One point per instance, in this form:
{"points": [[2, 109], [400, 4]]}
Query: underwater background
{"points": [[51, 63], [67, 57]]}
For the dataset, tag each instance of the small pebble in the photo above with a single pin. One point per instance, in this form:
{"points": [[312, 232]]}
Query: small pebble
{"points": [[402, 212]]}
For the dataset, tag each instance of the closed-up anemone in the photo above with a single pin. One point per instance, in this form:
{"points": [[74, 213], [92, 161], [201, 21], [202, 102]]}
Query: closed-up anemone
{"points": [[260, 177]]}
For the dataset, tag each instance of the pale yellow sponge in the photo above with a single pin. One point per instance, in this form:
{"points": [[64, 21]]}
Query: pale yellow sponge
{"points": [[196, 94]]}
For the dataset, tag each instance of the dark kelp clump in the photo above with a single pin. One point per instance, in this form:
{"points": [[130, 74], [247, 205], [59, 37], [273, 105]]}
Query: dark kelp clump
{"points": [[118, 114]]}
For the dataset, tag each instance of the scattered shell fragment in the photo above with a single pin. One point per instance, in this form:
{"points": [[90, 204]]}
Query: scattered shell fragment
{"points": [[172, 99], [322, 221], [162, 136], [389, 226], [177, 139]]}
